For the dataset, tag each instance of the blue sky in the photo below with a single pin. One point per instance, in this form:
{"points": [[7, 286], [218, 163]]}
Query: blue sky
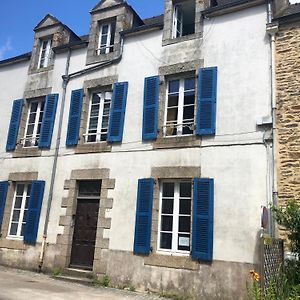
{"points": [[19, 17]]}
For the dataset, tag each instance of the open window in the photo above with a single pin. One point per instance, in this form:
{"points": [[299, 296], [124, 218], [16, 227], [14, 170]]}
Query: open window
{"points": [[184, 14], [106, 38], [45, 53]]}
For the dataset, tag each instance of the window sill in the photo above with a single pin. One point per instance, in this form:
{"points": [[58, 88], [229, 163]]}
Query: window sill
{"points": [[171, 261], [12, 243], [15, 238], [187, 141], [189, 37], [93, 148], [26, 152], [41, 70]]}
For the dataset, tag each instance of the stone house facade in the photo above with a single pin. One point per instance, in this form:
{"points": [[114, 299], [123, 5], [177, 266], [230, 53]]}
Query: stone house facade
{"points": [[140, 151]]}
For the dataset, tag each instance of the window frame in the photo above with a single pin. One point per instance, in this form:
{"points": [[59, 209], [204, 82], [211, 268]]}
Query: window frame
{"points": [[180, 107], [175, 233], [100, 129], [25, 195], [35, 136], [109, 47], [47, 52], [175, 32]]}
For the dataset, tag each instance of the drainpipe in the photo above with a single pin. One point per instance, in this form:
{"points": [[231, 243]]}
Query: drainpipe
{"points": [[54, 166], [272, 29]]}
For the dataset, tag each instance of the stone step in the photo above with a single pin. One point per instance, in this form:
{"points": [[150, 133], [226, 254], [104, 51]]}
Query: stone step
{"points": [[74, 279], [72, 272]]}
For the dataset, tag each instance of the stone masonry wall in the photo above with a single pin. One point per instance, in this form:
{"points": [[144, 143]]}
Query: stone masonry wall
{"points": [[288, 111]]}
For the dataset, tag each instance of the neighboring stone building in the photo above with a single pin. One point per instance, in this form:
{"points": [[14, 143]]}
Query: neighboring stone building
{"points": [[139, 150], [288, 103]]}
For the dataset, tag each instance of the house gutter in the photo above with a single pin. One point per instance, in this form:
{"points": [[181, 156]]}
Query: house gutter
{"points": [[66, 78], [272, 29]]}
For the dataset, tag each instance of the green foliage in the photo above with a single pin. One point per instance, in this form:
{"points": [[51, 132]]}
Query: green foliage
{"points": [[56, 271], [289, 218], [105, 280]]}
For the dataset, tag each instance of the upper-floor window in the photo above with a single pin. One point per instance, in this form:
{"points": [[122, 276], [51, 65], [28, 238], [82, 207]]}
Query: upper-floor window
{"points": [[183, 19], [106, 38], [99, 110], [175, 216], [34, 122], [19, 210], [180, 107], [45, 53]]}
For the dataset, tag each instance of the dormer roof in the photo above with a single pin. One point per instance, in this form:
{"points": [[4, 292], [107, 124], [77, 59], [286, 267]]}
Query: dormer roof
{"points": [[47, 21], [107, 3]]}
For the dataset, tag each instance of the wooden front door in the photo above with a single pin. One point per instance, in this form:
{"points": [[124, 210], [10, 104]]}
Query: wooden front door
{"points": [[85, 228]]}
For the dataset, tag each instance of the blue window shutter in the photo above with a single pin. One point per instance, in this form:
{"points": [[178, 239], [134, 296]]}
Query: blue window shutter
{"points": [[203, 218], [34, 210], [150, 115], [3, 194], [74, 118], [117, 114], [143, 222], [14, 124], [206, 104], [48, 121]]}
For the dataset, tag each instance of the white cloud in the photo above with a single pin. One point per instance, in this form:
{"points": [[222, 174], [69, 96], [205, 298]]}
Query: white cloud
{"points": [[5, 48]]}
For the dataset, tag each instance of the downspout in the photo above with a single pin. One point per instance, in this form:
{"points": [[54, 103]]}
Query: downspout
{"points": [[54, 166], [272, 29]]}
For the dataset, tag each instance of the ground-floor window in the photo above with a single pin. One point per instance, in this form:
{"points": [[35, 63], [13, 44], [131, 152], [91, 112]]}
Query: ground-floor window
{"points": [[175, 216], [19, 210]]}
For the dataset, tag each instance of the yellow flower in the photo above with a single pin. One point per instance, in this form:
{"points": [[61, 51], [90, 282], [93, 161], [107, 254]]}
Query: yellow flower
{"points": [[254, 275]]}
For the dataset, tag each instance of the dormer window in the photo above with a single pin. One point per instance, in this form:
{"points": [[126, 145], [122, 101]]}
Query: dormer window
{"points": [[183, 19], [106, 38], [45, 53]]}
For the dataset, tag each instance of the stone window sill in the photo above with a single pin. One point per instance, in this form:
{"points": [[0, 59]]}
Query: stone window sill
{"points": [[92, 148], [177, 142], [182, 39], [41, 70], [171, 261], [26, 152]]}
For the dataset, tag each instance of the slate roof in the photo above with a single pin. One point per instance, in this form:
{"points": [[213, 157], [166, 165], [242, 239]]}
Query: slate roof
{"points": [[291, 11]]}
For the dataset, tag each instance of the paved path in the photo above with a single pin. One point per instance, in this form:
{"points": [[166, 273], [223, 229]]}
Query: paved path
{"points": [[23, 285]]}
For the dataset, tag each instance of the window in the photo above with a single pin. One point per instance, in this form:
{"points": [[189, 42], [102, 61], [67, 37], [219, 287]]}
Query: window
{"points": [[19, 210], [34, 122], [175, 216], [180, 107], [45, 53], [98, 120], [183, 19], [106, 38]]}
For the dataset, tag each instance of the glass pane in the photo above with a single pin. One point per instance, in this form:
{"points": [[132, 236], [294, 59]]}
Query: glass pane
{"points": [[13, 228], [25, 215], [172, 114], [32, 118], [20, 189], [174, 86], [173, 100], [95, 99], [166, 223], [187, 130], [28, 189], [104, 29], [41, 117], [23, 229], [185, 207], [18, 202], [185, 189], [167, 206], [16, 216], [103, 40], [93, 123], [95, 111], [184, 242], [189, 84], [166, 240], [26, 202], [108, 95], [103, 137], [91, 138], [184, 224], [30, 130], [34, 106], [104, 122], [42, 105], [89, 188], [168, 189], [106, 109], [189, 98]]}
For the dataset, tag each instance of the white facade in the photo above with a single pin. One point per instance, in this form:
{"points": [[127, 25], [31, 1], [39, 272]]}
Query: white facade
{"points": [[236, 157]]}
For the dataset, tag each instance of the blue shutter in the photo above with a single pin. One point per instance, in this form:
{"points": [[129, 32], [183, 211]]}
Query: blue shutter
{"points": [[150, 116], [206, 104], [117, 114], [203, 218], [48, 121], [143, 222], [14, 125], [3, 194], [74, 117], [34, 210]]}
